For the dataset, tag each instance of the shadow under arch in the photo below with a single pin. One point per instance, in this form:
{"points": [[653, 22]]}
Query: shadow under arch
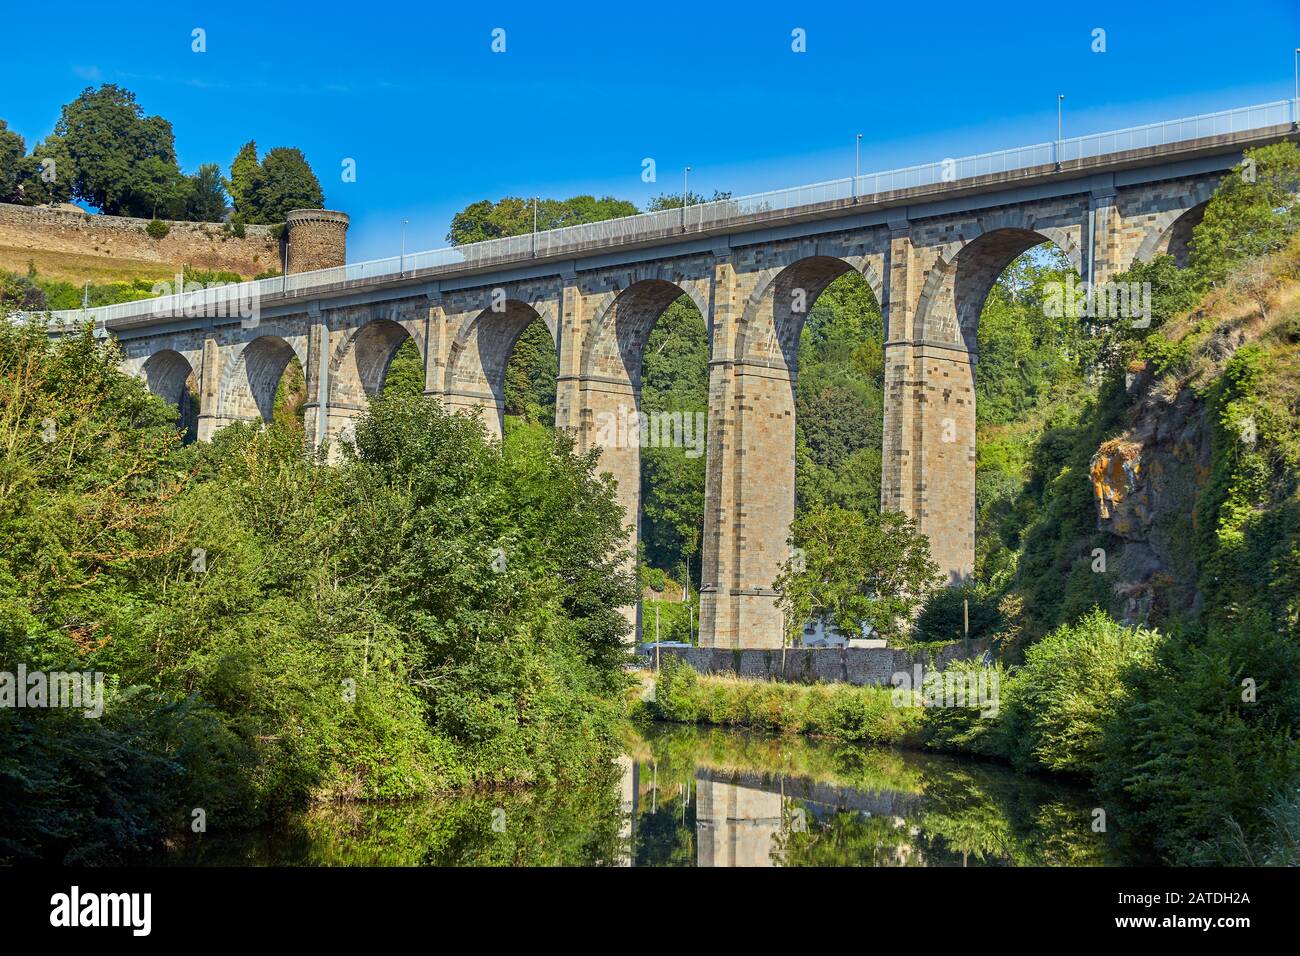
{"points": [[169, 375], [959, 283], [1175, 239], [616, 349], [773, 318], [249, 385], [480, 354], [360, 364]]}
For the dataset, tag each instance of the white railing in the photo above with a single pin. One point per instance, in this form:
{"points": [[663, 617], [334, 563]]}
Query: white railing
{"points": [[703, 216]]}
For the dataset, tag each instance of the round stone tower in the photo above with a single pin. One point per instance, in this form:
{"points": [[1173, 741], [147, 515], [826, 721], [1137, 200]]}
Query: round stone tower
{"points": [[317, 238]]}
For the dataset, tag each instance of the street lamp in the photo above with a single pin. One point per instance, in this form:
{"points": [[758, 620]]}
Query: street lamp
{"points": [[1295, 104], [857, 151], [1059, 97], [685, 192], [401, 262], [534, 227]]}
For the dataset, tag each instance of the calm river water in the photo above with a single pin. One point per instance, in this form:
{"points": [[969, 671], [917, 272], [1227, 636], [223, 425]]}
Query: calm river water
{"points": [[682, 796]]}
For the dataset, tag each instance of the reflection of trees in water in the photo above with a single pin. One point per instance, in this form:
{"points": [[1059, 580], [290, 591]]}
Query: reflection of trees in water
{"points": [[986, 814], [948, 812], [840, 837], [666, 836], [570, 825], [712, 797]]}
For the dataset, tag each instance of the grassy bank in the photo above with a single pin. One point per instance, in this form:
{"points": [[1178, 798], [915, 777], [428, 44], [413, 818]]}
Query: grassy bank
{"points": [[839, 711]]}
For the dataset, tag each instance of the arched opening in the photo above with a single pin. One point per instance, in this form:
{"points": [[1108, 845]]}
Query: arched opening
{"points": [[1034, 370], [379, 358], [1008, 305], [528, 390], [479, 372], [362, 368], [645, 376], [170, 376], [1177, 239], [405, 374], [266, 374], [674, 398], [840, 399]]}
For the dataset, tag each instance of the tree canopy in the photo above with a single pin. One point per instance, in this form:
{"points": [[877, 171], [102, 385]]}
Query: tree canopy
{"points": [[107, 153]]}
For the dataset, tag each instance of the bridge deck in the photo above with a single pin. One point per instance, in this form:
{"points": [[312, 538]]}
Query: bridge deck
{"points": [[561, 250]]}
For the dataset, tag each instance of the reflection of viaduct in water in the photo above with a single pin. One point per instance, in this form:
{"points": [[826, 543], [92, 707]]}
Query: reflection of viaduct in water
{"points": [[929, 244], [740, 815]]}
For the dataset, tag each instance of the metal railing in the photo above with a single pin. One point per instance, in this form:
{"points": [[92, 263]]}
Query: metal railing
{"points": [[669, 223]]}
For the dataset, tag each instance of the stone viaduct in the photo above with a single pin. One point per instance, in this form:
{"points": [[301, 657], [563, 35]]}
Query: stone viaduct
{"points": [[930, 252]]}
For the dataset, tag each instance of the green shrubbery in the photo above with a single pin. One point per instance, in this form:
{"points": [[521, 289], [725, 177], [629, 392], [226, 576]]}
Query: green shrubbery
{"points": [[281, 631], [1060, 704], [840, 711], [1203, 744]]}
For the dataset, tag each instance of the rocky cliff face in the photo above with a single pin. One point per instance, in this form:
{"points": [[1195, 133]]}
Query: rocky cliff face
{"points": [[1145, 487]]}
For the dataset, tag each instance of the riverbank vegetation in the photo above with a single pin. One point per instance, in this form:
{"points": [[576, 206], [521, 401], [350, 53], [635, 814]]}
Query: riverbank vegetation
{"points": [[838, 711], [437, 611]]}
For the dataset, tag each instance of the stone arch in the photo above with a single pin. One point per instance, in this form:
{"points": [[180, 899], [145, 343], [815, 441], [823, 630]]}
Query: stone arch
{"points": [[773, 316], [169, 375], [480, 351], [360, 364], [1171, 232], [619, 333], [958, 284], [166, 373], [249, 384]]}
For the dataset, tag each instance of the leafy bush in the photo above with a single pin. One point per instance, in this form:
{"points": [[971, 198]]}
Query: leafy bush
{"points": [[977, 729], [1203, 742], [157, 229], [346, 636], [1067, 694]]}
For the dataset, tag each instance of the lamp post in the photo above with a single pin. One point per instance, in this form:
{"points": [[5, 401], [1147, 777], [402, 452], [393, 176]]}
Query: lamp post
{"points": [[857, 151], [534, 227], [685, 192], [1059, 97], [401, 262], [1295, 103]]}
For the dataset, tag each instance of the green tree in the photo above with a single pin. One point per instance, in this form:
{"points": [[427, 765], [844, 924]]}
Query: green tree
{"points": [[283, 182], [48, 174], [675, 380], [856, 569], [124, 162], [207, 195], [243, 173], [513, 216], [12, 150], [1252, 213], [674, 200], [839, 399], [406, 371], [531, 374]]}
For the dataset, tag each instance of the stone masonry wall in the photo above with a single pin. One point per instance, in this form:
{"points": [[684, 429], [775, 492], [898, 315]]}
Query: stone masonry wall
{"points": [[201, 245], [859, 666]]}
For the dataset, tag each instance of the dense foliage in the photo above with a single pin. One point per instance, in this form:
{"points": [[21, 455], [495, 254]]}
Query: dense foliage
{"points": [[866, 572], [437, 610]]}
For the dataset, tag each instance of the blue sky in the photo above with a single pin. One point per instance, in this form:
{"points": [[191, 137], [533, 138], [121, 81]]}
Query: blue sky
{"points": [[434, 119]]}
